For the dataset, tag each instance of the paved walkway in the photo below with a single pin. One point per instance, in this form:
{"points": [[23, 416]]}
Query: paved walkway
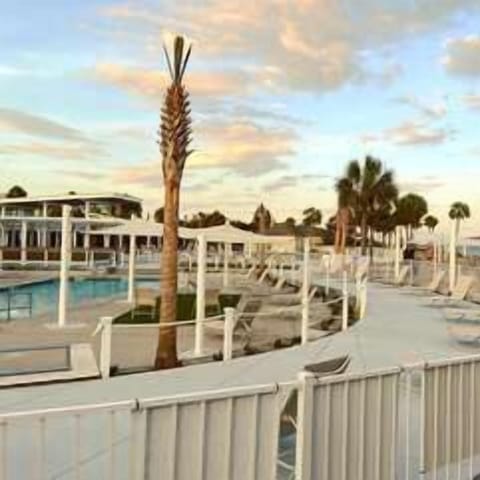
{"points": [[398, 329]]}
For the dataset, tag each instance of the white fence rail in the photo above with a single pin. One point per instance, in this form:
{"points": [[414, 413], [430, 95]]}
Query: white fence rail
{"points": [[419, 422]]}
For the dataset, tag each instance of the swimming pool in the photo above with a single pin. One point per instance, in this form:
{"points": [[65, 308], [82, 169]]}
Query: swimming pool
{"points": [[44, 295]]}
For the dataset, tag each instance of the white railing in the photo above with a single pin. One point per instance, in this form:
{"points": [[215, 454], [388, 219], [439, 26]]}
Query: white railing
{"points": [[414, 422]]}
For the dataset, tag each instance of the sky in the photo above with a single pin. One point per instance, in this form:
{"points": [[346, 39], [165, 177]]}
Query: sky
{"points": [[284, 93]]}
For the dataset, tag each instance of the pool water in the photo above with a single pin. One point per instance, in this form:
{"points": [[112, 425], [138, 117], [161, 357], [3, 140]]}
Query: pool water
{"points": [[44, 295]]}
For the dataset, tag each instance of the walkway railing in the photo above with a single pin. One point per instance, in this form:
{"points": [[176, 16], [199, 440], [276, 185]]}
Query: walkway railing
{"points": [[410, 422]]}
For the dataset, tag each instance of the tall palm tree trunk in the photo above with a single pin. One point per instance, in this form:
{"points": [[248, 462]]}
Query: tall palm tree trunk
{"points": [[343, 242], [338, 232], [167, 340]]}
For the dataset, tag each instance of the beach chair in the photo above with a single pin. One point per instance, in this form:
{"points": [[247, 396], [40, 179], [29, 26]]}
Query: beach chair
{"points": [[432, 287], [145, 303], [457, 296], [462, 315], [246, 310], [332, 366], [290, 299], [468, 335], [401, 279]]}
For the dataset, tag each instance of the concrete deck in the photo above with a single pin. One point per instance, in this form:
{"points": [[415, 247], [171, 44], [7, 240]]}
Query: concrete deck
{"points": [[398, 329]]}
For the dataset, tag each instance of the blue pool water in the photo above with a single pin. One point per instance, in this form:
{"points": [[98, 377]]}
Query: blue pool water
{"points": [[44, 295]]}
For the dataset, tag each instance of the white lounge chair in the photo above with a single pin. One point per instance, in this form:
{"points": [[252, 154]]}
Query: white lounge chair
{"points": [[401, 279], [465, 334], [246, 310], [431, 288], [459, 293], [462, 315]]}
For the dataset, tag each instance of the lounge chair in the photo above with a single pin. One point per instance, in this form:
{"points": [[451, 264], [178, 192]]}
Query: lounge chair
{"points": [[401, 279], [432, 287], [246, 311], [458, 294], [465, 334], [290, 299], [462, 315], [332, 366]]}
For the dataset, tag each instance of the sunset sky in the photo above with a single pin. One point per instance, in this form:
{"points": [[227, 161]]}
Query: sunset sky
{"points": [[284, 93]]}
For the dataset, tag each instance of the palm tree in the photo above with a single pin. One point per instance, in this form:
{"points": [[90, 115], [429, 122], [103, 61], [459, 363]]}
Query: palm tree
{"points": [[459, 211], [373, 188], [411, 208], [312, 216], [345, 207], [262, 219], [430, 222], [175, 136]]}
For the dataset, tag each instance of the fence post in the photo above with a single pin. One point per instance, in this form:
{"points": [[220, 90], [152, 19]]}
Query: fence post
{"points": [[303, 450], [411, 272], [200, 294], [344, 301], [327, 275], [228, 333], [305, 290], [105, 346]]}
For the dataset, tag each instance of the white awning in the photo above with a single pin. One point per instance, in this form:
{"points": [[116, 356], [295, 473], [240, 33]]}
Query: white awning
{"points": [[222, 233]]}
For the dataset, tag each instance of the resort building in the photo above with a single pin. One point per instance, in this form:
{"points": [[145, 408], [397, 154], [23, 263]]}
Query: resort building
{"points": [[30, 227]]}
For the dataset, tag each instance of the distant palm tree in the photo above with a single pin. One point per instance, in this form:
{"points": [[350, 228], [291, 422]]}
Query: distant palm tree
{"points": [[430, 222], [262, 219], [312, 216], [373, 188], [411, 208], [459, 211], [345, 208], [175, 136]]}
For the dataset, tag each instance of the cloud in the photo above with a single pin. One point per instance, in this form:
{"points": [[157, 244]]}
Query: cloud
{"points": [[432, 110], [462, 56], [291, 181], [244, 147], [17, 121], [282, 40], [422, 185], [416, 133], [152, 84], [59, 151], [472, 101]]}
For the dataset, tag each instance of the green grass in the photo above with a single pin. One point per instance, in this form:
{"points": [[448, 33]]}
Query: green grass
{"points": [[185, 309]]}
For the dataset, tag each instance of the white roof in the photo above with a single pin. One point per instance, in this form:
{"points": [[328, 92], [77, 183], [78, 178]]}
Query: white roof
{"points": [[221, 233], [60, 198]]}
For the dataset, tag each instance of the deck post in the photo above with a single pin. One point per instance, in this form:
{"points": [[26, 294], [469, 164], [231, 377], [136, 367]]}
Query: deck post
{"points": [[131, 269], [327, 273], [105, 346], [228, 333], [200, 298], [65, 258], [226, 257], [305, 290], [452, 256], [344, 301], [23, 240], [305, 408], [398, 239]]}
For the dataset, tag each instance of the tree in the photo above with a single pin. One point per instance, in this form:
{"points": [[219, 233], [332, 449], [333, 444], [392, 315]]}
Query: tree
{"points": [[16, 192], [262, 219], [158, 215], [372, 189], [459, 211], [175, 137], [411, 208], [345, 207], [430, 222], [312, 216]]}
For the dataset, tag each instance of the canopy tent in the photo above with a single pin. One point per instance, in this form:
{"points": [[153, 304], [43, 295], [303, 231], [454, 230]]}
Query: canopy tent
{"points": [[221, 233]]}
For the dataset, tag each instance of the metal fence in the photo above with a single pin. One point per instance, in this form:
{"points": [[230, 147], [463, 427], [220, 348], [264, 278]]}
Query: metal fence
{"points": [[417, 422]]}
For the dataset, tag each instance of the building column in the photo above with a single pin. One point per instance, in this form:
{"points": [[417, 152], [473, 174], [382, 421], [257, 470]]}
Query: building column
{"points": [[106, 241], [3, 212], [87, 208], [45, 210], [23, 242]]}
